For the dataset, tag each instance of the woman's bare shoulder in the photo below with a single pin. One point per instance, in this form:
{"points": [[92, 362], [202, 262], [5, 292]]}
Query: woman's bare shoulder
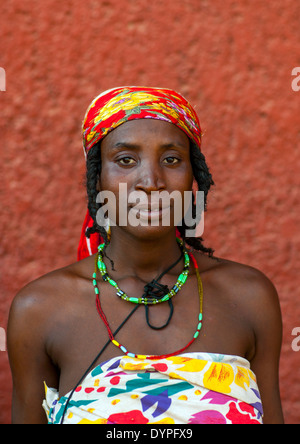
{"points": [[243, 284], [44, 295]]}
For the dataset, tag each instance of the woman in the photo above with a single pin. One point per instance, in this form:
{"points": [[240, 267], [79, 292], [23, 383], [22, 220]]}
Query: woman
{"points": [[147, 351]]}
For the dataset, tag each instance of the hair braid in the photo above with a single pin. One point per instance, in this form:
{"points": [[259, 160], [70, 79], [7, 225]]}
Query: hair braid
{"points": [[204, 181], [93, 171]]}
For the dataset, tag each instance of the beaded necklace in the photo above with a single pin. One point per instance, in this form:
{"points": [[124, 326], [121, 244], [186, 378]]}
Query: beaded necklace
{"points": [[120, 346], [144, 299]]}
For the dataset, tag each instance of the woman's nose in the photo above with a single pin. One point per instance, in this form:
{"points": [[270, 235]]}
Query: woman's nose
{"points": [[150, 179]]}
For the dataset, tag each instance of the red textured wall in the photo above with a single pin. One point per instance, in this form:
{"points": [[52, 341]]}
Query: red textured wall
{"points": [[232, 59]]}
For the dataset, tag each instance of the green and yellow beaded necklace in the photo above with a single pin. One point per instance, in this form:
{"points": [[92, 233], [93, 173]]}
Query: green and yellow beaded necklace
{"points": [[146, 300], [153, 299]]}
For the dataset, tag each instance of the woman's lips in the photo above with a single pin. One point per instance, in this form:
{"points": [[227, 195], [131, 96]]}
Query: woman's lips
{"points": [[148, 213]]}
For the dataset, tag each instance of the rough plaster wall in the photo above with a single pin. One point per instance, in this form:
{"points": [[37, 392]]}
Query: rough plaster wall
{"points": [[233, 61]]}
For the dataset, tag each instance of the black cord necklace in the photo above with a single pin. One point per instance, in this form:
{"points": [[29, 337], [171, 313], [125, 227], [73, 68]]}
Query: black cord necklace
{"points": [[154, 289]]}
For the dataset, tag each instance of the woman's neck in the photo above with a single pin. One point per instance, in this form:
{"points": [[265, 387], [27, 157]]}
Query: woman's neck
{"points": [[143, 258]]}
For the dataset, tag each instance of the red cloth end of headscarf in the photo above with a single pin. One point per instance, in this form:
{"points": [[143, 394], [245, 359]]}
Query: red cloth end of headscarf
{"points": [[88, 246]]}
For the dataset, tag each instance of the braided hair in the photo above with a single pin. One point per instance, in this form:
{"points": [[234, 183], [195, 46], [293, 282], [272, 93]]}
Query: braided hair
{"points": [[201, 174]]}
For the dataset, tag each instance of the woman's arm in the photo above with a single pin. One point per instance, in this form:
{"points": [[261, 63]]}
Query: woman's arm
{"points": [[30, 364], [265, 313]]}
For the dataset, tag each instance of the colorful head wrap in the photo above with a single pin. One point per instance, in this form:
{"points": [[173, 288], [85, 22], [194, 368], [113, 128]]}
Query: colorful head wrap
{"points": [[119, 105]]}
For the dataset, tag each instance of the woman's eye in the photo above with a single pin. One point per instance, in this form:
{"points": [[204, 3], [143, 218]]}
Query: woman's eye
{"points": [[126, 161], [171, 160]]}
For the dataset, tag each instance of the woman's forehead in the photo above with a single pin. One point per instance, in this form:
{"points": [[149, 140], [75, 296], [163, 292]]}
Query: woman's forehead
{"points": [[140, 131]]}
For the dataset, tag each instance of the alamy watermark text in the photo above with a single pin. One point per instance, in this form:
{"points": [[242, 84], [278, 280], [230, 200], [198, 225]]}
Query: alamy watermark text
{"points": [[2, 339], [296, 341], [296, 80], [139, 209], [2, 79]]}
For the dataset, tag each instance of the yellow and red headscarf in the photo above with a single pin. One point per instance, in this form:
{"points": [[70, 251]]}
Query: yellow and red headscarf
{"points": [[119, 105]]}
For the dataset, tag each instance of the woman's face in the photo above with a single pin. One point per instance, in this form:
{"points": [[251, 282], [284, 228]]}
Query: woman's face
{"points": [[146, 157]]}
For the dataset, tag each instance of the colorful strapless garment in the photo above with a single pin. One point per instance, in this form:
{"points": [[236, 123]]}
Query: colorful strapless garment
{"points": [[193, 388]]}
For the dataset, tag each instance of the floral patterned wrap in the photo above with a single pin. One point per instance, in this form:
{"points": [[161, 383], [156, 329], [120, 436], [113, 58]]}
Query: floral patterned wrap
{"points": [[193, 388], [119, 105]]}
